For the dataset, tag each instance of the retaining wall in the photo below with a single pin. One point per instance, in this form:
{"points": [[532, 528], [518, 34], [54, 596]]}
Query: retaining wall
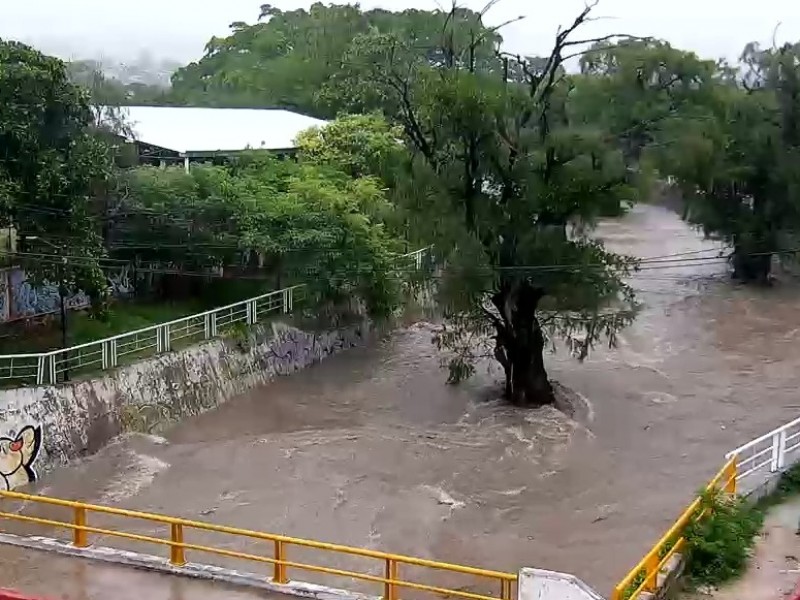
{"points": [[45, 425]]}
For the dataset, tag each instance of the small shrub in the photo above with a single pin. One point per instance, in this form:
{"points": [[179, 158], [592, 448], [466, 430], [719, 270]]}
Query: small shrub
{"points": [[239, 334], [720, 543]]}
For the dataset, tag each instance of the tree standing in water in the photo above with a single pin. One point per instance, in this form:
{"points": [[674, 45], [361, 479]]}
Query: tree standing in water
{"points": [[507, 186]]}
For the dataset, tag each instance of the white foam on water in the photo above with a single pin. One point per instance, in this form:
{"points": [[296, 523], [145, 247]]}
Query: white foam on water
{"points": [[139, 474]]}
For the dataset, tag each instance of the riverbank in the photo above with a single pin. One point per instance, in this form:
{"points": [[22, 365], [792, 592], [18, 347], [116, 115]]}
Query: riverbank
{"points": [[773, 571]]}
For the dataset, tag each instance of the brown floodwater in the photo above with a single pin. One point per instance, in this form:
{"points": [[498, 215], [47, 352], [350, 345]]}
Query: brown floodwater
{"points": [[372, 449]]}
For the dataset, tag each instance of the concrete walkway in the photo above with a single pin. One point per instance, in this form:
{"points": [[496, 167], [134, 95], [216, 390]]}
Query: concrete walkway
{"points": [[774, 569], [55, 577]]}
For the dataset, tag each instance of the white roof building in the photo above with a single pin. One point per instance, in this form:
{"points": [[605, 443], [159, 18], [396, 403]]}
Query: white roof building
{"points": [[207, 132]]}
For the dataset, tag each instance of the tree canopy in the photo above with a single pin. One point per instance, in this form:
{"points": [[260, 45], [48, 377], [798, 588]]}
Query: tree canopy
{"points": [[725, 133], [53, 170], [290, 58], [303, 223], [507, 185]]}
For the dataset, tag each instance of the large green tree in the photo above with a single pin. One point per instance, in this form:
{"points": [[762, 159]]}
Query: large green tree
{"points": [[725, 133], [291, 58], [638, 89], [508, 187], [746, 185], [53, 169], [301, 223]]}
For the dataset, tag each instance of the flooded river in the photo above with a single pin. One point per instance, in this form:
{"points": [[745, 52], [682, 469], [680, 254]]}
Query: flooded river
{"points": [[372, 449]]}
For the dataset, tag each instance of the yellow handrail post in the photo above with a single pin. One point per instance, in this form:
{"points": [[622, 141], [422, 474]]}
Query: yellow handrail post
{"points": [[279, 573], [730, 485], [176, 549], [79, 535], [505, 589], [651, 572], [389, 589]]}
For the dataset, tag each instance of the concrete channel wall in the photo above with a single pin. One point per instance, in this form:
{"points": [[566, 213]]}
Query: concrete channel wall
{"points": [[45, 425]]}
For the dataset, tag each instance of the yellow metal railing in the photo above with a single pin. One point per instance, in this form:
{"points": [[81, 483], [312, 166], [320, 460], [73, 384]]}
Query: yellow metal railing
{"points": [[391, 580], [644, 576]]}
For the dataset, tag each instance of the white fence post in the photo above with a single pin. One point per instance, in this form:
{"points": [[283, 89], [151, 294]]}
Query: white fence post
{"points": [[776, 448], [213, 324], [251, 312], [782, 449], [286, 301], [167, 345], [41, 368], [52, 365], [104, 355]]}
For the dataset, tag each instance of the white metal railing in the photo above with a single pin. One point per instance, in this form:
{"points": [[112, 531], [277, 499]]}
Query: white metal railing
{"points": [[771, 453], [49, 367]]}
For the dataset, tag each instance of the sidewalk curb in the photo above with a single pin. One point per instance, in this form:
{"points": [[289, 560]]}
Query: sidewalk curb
{"points": [[147, 562]]}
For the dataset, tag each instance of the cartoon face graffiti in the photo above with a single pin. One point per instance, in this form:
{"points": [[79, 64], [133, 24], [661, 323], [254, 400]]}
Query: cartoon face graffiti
{"points": [[17, 457]]}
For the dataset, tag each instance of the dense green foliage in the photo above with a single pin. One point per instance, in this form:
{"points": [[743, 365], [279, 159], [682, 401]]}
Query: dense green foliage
{"points": [[727, 134], [297, 222], [720, 544], [322, 220], [52, 169], [292, 58]]}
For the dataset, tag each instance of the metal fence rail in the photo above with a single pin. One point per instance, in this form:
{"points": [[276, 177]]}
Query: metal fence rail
{"points": [[771, 453], [644, 576], [49, 367], [747, 467], [281, 547]]}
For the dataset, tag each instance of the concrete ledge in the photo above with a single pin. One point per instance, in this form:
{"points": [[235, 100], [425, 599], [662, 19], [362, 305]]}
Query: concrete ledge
{"points": [[540, 584], [148, 562]]}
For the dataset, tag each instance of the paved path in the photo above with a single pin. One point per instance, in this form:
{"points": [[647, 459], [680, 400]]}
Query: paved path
{"points": [[55, 577], [775, 566]]}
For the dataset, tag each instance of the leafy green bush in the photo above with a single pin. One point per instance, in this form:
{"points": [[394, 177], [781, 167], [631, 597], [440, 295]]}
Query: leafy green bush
{"points": [[719, 544]]}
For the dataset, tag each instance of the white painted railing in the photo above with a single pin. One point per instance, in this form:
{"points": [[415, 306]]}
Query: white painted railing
{"points": [[49, 367], [771, 453]]}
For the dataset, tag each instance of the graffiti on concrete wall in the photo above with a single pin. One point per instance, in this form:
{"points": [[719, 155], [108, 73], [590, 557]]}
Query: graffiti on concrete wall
{"points": [[28, 299], [21, 298], [120, 282], [17, 456]]}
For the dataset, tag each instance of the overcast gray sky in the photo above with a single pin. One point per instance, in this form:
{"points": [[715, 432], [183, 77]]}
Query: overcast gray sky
{"points": [[179, 29]]}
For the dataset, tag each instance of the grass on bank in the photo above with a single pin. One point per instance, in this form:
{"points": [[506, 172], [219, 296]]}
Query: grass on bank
{"points": [[719, 546], [45, 334]]}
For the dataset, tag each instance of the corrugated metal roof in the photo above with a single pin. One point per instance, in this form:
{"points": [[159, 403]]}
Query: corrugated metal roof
{"points": [[206, 130]]}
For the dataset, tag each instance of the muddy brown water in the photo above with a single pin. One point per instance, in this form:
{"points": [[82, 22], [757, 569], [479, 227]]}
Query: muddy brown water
{"points": [[372, 449]]}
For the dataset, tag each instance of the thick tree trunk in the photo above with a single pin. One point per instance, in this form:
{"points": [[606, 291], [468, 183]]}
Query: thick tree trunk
{"points": [[520, 345], [751, 268]]}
